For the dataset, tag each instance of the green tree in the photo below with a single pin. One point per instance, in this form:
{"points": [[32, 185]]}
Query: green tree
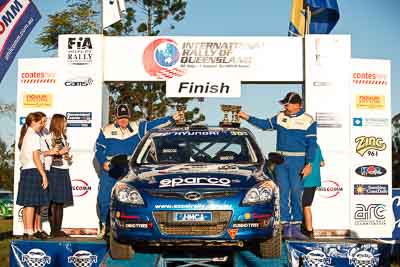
{"points": [[6, 166], [143, 17]]}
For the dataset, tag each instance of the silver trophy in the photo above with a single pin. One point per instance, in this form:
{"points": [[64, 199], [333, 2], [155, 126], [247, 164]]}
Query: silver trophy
{"points": [[234, 120]]}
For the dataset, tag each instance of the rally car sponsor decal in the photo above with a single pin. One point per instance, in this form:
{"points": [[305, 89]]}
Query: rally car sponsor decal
{"points": [[190, 181]]}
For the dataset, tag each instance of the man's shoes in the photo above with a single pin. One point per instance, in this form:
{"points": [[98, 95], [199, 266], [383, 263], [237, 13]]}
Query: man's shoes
{"points": [[287, 233], [296, 232], [41, 235], [101, 233]]}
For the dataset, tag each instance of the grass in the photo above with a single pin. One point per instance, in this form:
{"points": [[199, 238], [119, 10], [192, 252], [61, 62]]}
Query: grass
{"points": [[5, 239]]}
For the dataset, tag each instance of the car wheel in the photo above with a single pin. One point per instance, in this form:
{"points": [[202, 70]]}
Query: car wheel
{"points": [[271, 248], [120, 251]]}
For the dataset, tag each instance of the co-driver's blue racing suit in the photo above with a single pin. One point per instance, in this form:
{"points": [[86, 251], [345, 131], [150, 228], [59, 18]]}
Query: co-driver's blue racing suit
{"points": [[112, 141], [296, 141]]}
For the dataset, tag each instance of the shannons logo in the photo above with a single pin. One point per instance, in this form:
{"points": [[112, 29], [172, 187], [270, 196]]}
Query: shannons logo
{"points": [[329, 189], [191, 181], [9, 15], [362, 258], [82, 258], [79, 50], [36, 258], [38, 77], [160, 58], [372, 214], [79, 81], [317, 258], [368, 143], [369, 78], [371, 171], [80, 187]]}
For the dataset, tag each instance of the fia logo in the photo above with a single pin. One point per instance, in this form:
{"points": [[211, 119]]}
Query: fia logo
{"points": [[79, 43], [368, 143]]}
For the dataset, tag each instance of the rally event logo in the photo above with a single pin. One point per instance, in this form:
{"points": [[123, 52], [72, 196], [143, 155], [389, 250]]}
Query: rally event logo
{"points": [[160, 59], [370, 102], [79, 51], [38, 77], [80, 188], [369, 78], [317, 257], [363, 256], [371, 189], [329, 189], [37, 100], [371, 171], [82, 258], [370, 144], [372, 214], [36, 258]]}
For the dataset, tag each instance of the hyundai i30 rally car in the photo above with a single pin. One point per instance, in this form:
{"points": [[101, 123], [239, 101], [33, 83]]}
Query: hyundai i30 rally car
{"points": [[196, 186]]}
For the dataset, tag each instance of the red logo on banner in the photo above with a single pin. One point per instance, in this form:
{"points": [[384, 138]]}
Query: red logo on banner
{"points": [[80, 188], [160, 59], [232, 233], [329, 189], [369, 78]]}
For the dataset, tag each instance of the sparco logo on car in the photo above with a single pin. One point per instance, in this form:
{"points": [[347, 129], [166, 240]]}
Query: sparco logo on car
{"points": [[370, 144], [80, 187], [371, 171], [82, 258], [373, 214], [175, 182], [36, 258], [79, 51]]}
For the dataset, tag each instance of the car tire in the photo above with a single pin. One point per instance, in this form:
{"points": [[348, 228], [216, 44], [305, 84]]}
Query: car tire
{"points": [[120, 251], [272, 247]]}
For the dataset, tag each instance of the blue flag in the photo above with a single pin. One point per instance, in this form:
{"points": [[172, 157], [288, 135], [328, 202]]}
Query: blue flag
{"points": [[17, 19], [313, 16]]}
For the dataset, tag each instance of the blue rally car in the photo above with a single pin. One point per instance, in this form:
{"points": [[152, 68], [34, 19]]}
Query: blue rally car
{"points": [[202, 186]]}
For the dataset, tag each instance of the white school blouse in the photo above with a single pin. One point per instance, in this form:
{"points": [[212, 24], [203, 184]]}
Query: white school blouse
{"points": [[30, 143], [45, 145]]}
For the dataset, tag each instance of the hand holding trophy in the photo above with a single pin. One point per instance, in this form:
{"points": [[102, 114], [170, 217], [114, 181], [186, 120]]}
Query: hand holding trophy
{"points": [[234, 120]]}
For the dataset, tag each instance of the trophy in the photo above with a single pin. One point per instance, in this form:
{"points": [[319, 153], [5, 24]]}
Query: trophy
{"points": [[57, 143], [181, 108], [234, 120]]}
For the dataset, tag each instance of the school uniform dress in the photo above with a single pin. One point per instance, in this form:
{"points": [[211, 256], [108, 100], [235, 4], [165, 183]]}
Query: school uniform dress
{"points": [[30, 190], [60, 187]]}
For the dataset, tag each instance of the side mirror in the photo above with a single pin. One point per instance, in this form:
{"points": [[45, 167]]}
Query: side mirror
{"points": [[119, 166]]}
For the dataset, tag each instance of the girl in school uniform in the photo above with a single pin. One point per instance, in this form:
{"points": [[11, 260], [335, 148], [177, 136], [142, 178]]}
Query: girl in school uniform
{"points": [[33, 183], [60, 188]]}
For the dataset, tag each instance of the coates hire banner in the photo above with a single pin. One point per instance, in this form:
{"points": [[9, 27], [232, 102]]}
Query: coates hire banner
{"points": [[17, 19]]}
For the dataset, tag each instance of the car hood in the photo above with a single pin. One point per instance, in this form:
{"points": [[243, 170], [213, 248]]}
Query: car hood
{"points": [[186, 176]]}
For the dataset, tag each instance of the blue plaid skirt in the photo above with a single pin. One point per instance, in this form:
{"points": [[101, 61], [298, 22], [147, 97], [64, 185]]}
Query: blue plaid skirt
{"points": [[60, 188], [30, 191]]}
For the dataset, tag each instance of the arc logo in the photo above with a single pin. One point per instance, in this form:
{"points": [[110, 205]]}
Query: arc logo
{"points": [[370, 144], [80, 187], [372, 214], [10, 15], [370, 171], [160, 58]]}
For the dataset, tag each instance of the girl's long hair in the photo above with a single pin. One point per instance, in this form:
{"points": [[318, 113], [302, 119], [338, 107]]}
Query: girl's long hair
{"points": [[31, 117], [57, 125]]}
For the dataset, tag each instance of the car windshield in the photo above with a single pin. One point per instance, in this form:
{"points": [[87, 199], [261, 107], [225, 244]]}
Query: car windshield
{"points": [[192, 147]]}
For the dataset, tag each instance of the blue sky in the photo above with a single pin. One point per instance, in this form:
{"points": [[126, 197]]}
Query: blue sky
{"points": [[372, 24]]}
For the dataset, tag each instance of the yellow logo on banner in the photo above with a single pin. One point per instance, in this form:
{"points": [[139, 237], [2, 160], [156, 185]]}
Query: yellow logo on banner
{"points": [[367, 143], [370, 102], [38, 100]]}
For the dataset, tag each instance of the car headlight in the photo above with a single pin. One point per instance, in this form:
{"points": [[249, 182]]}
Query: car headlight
{"points": [[127, 194], [260, 193]]}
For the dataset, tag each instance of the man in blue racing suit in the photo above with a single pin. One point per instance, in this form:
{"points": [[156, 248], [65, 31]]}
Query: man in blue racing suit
{"points": [[296, 141], [119, 138]]}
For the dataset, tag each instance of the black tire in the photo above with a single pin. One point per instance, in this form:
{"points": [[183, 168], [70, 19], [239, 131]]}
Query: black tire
{"points": [[272, 247], [120, 251]]}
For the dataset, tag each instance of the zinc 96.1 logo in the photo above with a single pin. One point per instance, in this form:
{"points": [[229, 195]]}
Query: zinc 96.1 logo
{"points": [[160, 59]]}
